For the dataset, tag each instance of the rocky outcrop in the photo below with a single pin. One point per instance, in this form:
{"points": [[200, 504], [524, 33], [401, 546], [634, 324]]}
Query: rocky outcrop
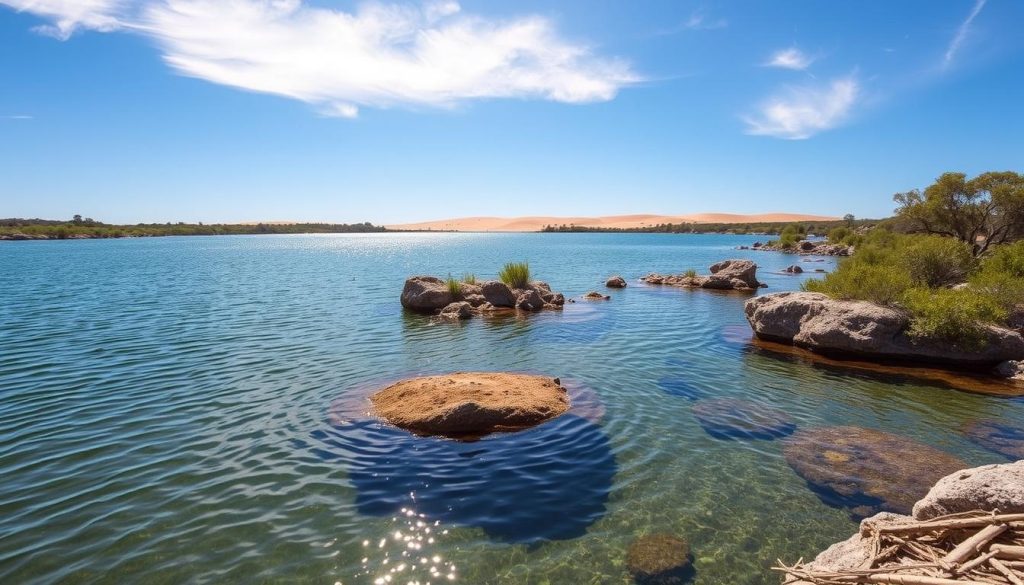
{"points": [[431, 295], [471, 404], [990, 487], [725, 275], [809, 248], [860, 328], [616, 282]]}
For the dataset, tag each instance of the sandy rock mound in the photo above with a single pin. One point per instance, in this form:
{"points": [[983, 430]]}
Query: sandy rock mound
{"points": [[990, 487], [866, 470], [471, 404]]}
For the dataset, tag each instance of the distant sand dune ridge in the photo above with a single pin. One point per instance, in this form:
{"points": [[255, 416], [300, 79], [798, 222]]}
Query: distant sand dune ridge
{"points": [[537, 223]]}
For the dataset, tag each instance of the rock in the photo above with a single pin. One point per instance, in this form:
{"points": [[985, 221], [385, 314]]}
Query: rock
{"points": [[551, 298], [458, 310], [498, 293], [596, 296], [425, 294], [1016, 318], [865, 470], [470, 404], [730, 418], [860, 328], [476, 300], [653, 278], [616, 282], [1012, 369], [732, 274], [854, 552], [806, 246], [467, 289], [659, 559], [1005, 439], [529, 300], [557, 299], [743, 248], [990, 487], [794, 269]]}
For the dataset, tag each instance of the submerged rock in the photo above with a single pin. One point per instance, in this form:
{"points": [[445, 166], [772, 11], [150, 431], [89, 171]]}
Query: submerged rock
{"points": [[1005, 439], [616, 282], [990, 487], [470, 404], [596, 296], [817, 322], [659, 559], [730, 418], [794, 269], [725, 275], [865, 470]]}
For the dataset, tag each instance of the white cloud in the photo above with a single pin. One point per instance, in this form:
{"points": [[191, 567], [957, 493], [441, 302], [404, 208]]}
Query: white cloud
{"points": [[16, 117], [801, 112], [961, 33], [69, 15], [699, 21], [791, 58], [379, 55]]}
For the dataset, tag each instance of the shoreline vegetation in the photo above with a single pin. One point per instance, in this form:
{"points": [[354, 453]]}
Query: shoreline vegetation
{"points": [[79, 228]]}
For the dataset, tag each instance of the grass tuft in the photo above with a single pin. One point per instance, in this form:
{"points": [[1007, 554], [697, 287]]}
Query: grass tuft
{"points": [[454, 286], [469, 278], [515, 274]]}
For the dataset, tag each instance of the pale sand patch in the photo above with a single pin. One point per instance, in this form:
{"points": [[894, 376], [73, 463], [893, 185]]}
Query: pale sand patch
{"points": [[470, 403], [537, 223]]}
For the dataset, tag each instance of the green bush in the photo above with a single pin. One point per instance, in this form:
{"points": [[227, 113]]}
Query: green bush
{"points": [[454, 287], [855, 280], [690, 273], [515, 274], [935, 261], [1001, 276], [839, 235], [957, 316], [469, 278]]}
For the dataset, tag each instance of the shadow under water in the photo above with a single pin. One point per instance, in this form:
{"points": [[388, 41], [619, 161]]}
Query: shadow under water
{"points": [[546, 483]]}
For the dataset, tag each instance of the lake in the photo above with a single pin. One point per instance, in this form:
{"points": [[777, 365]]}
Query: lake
{"points": [[166, 415]]}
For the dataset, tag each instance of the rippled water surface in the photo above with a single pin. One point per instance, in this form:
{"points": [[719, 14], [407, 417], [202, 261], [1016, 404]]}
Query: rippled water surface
{"points": [[165, 415]]}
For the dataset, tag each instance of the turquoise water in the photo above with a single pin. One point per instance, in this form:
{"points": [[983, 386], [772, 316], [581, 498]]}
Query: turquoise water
{"points": [[166, 415]]}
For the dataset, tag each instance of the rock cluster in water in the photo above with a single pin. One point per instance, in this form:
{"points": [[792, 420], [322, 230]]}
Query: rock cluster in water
{"points": [[986, 488], [659, 559], [808, 247], [865, 470], [725, 275], [471, 404], [431, 295], [819, 323]]}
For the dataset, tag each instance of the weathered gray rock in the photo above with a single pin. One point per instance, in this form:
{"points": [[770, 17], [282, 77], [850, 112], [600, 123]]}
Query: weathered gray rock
{"points": [[550, 298], [498, 293], [990, 487], [529, 300], [744, 271], [616, 282], [816, 322], [425, 294], [458, 310], [475, 300]]}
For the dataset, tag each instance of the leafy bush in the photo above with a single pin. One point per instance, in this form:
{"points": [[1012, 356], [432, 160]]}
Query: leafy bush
{"points": [[935, 261], [515, 274], [838, 235], [469, 278], [454, 287], [957, 316], [854, 280], [1001, 276]]}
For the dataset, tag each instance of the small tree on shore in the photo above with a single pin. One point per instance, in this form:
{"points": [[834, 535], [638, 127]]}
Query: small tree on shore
{"points": [[984, 211]]}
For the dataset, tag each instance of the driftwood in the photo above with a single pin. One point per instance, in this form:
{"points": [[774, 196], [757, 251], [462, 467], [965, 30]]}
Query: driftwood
{"points": [[979, 548]]}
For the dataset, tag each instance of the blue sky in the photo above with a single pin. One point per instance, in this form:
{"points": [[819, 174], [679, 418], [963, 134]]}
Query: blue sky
{"points": [[238, 110]]}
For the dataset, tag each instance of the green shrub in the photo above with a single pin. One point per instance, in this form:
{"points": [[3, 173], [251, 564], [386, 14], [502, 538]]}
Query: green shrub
{"points": [[935, 261], [515, 274], [957, 316], [839, 235], [690, 273], [454, 287], [469, 278], [855, 280], [1001, 276]]}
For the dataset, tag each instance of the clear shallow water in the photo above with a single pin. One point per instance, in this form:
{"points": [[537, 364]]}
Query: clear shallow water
{"points": [[164, 415]]}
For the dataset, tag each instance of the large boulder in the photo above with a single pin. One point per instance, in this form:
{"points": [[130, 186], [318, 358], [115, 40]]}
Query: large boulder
{"points": [[498, 293], [724, 274], [990, 487], [426, 294], [471, 404], [616, 282], [859, 328]]}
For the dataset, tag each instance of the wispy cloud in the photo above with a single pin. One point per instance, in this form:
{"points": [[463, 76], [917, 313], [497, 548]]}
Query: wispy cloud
{"points": [[17, 117], [801, 112], [698, 20], [379, 55], [791, 58], [961, 33]]}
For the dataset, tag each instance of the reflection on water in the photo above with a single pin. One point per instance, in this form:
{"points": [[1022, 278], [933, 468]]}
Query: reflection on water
{"points": [[405, 555], [545, 483]]}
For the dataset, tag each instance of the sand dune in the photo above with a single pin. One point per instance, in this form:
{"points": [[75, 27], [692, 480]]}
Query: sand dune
{"points": [[536, 223]]}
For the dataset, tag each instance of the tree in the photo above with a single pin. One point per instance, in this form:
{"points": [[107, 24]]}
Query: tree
{"points": [[76, 219], [984, 211], [849, 219]]}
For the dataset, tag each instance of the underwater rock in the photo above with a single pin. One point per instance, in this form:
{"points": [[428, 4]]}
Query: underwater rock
{"points": [[865, 470], [596, 296], [616, 282], [730, 418], [659, 559], [1007, 440], [989, 487], [470, 404]]}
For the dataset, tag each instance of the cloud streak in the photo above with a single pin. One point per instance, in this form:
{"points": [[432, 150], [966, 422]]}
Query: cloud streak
{"points": [[379, 55], [800, 112], [791, 58], [961, 33]]}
